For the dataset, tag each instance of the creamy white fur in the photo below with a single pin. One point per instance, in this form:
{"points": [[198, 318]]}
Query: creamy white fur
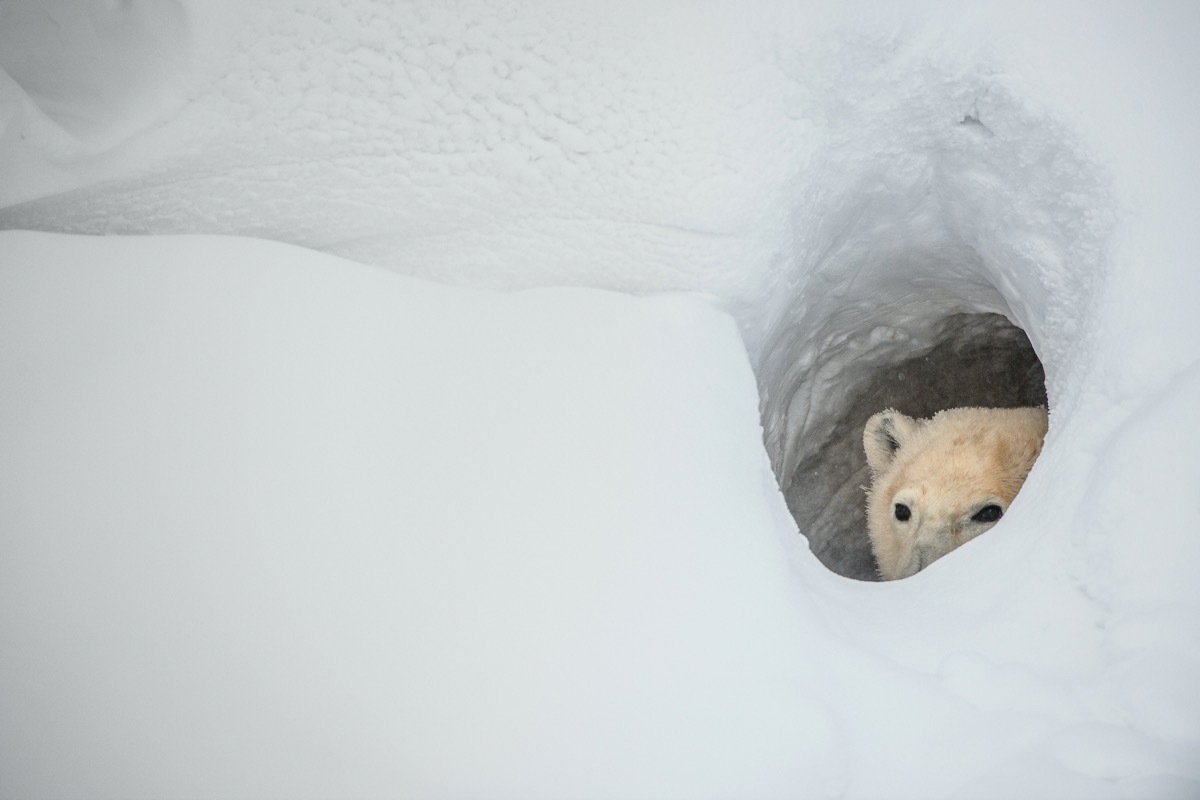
{"points": [[941, 473]]}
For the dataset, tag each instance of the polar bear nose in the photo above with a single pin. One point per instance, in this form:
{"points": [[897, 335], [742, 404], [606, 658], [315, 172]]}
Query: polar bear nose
{"points": [[928, 553], [921, 556]]}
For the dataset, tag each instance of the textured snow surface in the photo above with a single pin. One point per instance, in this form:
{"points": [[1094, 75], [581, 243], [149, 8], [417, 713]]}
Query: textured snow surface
{"points": [[290, 521]]}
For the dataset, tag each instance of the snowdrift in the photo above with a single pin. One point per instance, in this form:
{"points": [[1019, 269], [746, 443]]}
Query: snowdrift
{"points": [[344, 533], [282, 520]]}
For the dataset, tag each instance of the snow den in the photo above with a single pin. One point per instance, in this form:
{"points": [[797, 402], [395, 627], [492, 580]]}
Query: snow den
{"points": [[939, 280], [965, 359], [432, 459]]}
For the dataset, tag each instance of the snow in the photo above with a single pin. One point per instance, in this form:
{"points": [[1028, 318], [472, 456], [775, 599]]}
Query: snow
{"points": [[279, 476], [289, 518]]}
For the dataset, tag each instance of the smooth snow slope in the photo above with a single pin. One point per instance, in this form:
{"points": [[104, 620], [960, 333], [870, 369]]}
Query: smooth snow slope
{"points": [[278, 524], [281, 525]]}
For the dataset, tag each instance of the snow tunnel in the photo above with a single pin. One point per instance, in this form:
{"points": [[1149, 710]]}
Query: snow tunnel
{"points": [[955, 274]]}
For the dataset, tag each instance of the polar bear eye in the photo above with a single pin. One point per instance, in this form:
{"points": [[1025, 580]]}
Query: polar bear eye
{"points": [[988, 514], [903, 512]]}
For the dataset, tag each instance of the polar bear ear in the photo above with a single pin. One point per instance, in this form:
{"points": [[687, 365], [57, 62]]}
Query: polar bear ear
{"points": [[885, 434]]}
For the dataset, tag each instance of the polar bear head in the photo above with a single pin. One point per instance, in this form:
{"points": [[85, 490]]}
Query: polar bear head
{"points": [[939, 482]]}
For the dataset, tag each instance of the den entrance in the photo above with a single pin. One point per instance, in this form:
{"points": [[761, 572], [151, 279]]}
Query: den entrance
{"points": [[975, 360]]}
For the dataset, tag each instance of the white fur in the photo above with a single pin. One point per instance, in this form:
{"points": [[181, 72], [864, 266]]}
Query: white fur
{"points": [[945, 470]]}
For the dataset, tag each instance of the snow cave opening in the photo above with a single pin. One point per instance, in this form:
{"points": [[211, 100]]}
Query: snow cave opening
{"points": [[943, 253], [900, 305], [964, 358]]}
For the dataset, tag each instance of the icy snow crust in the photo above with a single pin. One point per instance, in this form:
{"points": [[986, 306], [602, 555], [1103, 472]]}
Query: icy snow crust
{"points": [[275, 523]]}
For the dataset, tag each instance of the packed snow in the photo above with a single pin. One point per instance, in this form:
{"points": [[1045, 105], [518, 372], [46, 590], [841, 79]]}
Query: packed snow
{"points": [[449, 432]]}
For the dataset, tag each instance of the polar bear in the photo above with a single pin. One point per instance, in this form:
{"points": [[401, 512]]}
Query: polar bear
{"points": [[939, 482]]}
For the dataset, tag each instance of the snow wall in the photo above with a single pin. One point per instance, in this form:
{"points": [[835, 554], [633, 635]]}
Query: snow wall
{"points": [[917, 207]]}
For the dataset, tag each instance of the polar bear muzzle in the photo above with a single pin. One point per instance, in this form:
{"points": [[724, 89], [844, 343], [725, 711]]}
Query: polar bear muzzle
{"points": [[940, 482]]}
